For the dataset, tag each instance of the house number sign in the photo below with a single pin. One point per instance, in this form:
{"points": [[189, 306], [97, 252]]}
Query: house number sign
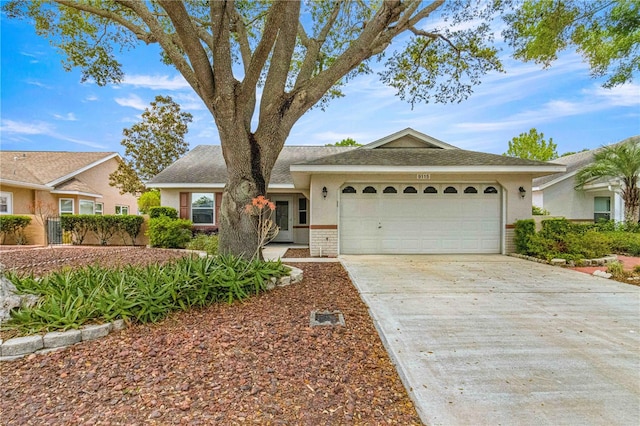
{"points": [[424, 176]]}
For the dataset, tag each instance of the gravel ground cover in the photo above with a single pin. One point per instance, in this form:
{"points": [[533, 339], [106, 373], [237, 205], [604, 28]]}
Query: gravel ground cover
{"points": [[257, 362]]}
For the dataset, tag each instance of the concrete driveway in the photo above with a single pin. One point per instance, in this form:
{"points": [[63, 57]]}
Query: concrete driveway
{"points": [[495, 340]]}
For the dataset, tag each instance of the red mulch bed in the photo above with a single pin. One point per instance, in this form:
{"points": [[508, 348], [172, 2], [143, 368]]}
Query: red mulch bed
{"points": [[257, 362], [297, 253]]}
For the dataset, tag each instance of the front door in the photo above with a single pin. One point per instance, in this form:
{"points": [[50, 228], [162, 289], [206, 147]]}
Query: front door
{"points": [[283, 217]]}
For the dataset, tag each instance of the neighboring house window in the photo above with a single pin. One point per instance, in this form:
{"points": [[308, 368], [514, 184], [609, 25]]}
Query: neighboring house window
{"points": [[202, 207], [302, 211], [86, 207], [123, 210], [99, 209], [6, 203], [66, 206], [601, 208]]}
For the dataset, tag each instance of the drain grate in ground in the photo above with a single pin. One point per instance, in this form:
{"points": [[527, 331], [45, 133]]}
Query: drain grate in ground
{"points": [[326, 318]]}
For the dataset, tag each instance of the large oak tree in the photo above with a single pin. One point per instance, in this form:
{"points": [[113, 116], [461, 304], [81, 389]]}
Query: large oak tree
{"points": [[273, 61]]}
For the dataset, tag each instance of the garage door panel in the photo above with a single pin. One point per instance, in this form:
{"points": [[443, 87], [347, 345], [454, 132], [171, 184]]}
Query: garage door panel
{"points": [[420, 223]]}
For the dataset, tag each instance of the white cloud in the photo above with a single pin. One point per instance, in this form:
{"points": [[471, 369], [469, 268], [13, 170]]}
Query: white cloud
{"points": [[157, 82], [37, 83], [69, 117], [624, 95], [17, 128], [91, 98], [133, 101]]}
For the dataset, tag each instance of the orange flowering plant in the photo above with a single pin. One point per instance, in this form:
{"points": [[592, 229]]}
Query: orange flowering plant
{"points": [[267, 229]]}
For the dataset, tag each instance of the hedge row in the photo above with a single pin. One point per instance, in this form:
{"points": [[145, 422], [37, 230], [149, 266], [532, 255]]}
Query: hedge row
{"points": [[103, 227], [14, 226]]}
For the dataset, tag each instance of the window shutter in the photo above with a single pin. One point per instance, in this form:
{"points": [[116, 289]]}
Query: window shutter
{"points": [[184, 205]]}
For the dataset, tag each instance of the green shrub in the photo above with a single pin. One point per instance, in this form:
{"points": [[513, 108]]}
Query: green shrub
{"points": [[555, 228], [130, 226], [78, 225], [524, 230], [203, 242], [594, 244], [615, 269], [156, 212], [92, 294], [104, 227], [169, 233], [539, 211], [14, 226]]}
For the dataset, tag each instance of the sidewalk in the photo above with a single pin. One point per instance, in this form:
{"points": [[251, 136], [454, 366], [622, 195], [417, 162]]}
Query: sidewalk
{"points": [[277, 251]]}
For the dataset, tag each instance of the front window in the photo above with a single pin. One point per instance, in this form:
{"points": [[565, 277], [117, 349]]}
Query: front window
{"points": [[202, 208], [302, 211], [601, 208], [86, 207], [66, 206], [99, 209], [6, 203], [123, 210]]}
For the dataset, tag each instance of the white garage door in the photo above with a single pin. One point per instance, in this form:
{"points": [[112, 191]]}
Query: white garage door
{"points": [[427, 218]]}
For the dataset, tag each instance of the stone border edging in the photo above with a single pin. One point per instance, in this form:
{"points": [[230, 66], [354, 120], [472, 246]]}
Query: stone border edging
{"points": [[18, 347], [600, 261]]}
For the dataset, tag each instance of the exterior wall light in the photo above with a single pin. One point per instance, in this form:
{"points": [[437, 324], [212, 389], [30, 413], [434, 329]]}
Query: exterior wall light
{"points": [[523, 191], [324, 192]]}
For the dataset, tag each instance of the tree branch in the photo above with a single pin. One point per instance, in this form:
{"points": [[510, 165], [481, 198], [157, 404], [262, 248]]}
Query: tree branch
{"points": [[138, 31], [191, 43], [222, 61], [281, 58], [315, 45]]}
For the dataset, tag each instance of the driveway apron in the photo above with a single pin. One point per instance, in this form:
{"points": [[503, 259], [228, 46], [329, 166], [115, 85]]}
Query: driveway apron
{"points": [[490, 339]]}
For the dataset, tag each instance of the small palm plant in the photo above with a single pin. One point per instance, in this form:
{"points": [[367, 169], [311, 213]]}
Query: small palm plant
{"points": [[619, 161]]}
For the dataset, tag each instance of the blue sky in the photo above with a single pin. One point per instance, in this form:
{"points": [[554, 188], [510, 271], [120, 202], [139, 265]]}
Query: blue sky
{"points": [[45, 108]]}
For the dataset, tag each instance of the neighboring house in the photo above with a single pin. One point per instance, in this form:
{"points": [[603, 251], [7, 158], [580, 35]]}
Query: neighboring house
{"points": [[405, 193], [61, 183], [557, 193]]}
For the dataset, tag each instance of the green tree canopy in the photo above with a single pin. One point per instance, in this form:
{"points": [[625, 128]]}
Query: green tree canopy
{"points": [[621, 162], [151, 145], [147, 200], [345, 142], [605, 32], [532, 146]]}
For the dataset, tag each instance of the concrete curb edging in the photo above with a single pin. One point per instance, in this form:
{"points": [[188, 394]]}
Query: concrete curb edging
{"points": [[19, 347]]}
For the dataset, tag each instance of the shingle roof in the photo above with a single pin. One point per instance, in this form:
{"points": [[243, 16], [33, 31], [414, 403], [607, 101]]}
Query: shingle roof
{"points": [[575, 162], [43, 167], [420, 157], [205, 164], [75, 185]]}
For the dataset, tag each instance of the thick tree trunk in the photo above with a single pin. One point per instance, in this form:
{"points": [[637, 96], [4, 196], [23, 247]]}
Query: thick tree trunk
{"points": [[249, 164]]}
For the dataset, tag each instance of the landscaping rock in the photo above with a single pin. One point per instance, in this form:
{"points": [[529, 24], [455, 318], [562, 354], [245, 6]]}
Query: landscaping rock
{"points": [[9, 299], [118, 325], [558, 262], [602, 274]]}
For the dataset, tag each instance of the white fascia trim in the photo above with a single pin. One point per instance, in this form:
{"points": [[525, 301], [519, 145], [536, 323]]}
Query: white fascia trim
{"points": [[411, 132], [83, 169], [25, 185], [210, 185], [425, 169], [557, 180], [83, 194], [185, 185]]}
